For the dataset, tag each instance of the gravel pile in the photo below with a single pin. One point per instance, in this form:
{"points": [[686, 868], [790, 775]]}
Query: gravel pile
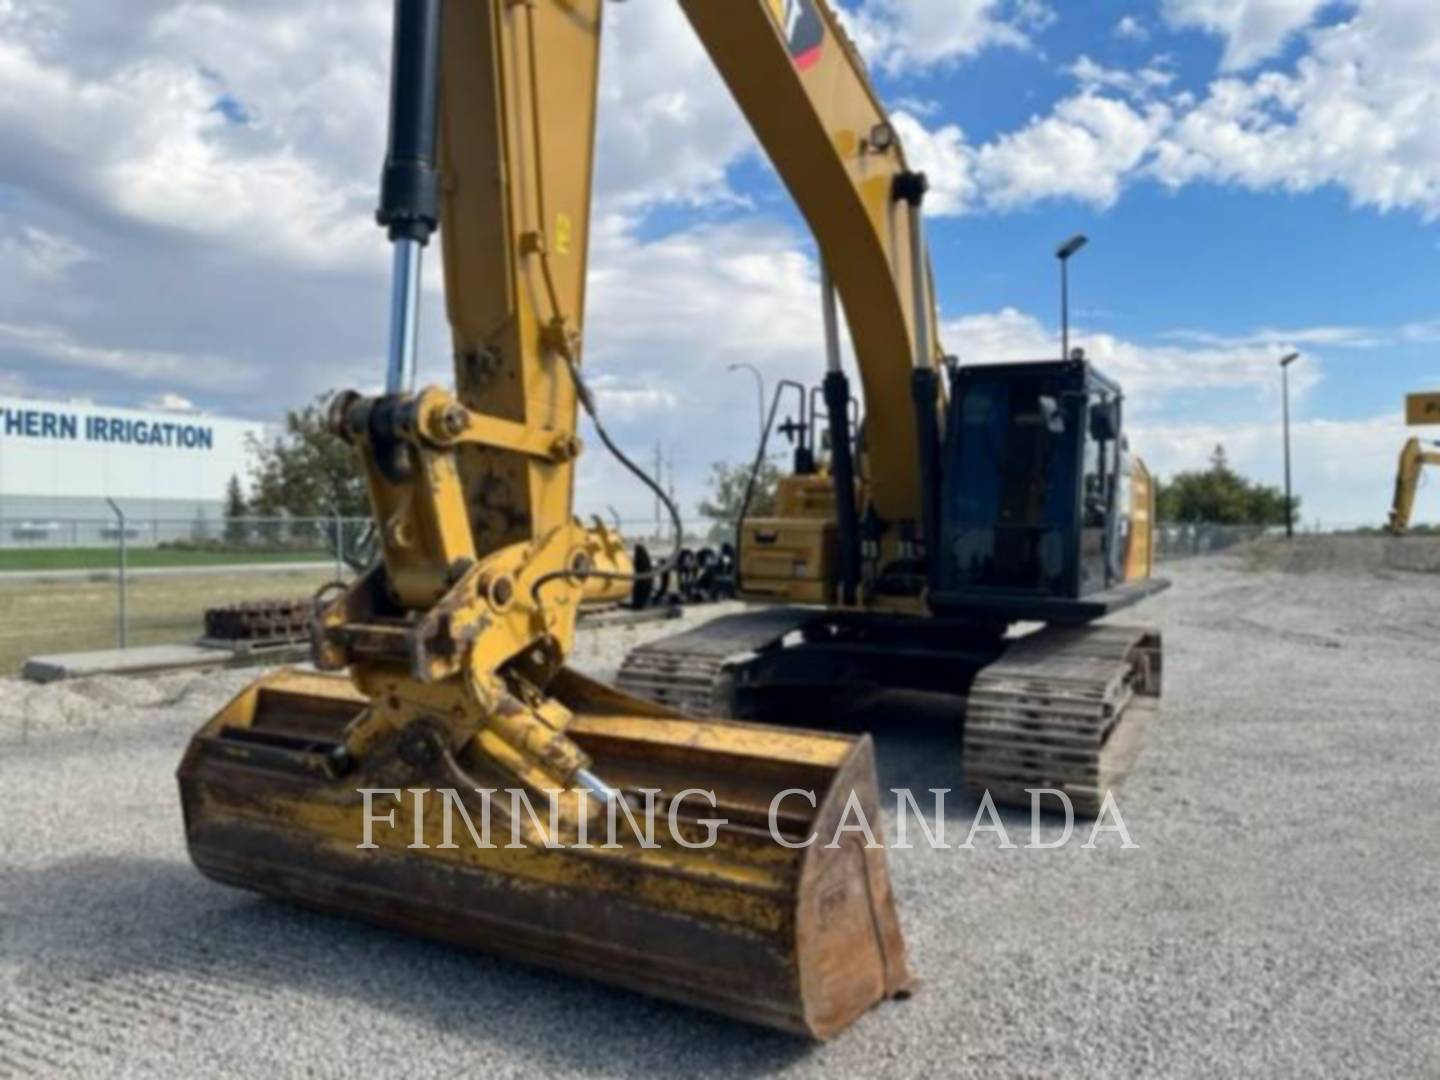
{"points": [[1277, 918], [1346, 555]]}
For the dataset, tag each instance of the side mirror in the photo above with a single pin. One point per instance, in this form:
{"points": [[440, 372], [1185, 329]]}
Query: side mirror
{"points": [[1105, 421], [1052, 414]]}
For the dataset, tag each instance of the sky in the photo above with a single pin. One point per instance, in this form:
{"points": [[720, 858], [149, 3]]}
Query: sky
{"points": [[187, 191]]}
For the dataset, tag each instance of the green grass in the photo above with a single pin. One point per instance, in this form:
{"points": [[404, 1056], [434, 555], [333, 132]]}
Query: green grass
{"points": [[42, 617], [39, 559]]}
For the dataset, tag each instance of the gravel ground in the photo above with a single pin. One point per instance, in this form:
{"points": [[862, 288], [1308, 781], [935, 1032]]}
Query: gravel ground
{"points": [[1278, 918]]}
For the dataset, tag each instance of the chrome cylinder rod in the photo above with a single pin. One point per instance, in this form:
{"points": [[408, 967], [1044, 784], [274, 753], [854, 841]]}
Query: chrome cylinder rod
{"points": [[405, 317], [588, 781], [832, 319]]}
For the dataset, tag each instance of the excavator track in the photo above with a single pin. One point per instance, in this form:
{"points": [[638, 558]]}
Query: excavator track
{"points": [[1065, 708], [688, 672]]}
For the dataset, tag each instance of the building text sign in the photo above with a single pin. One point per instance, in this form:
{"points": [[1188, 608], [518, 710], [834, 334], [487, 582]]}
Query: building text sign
{"points": [[49, 424]]}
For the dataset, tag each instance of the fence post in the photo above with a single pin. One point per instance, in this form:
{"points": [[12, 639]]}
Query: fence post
{"points": [[339, 548], [120, 516]]}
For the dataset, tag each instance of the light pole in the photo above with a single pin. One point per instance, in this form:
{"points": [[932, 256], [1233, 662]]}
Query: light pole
{"points": [[1064, 253], [1289, 500], [759, 389]]}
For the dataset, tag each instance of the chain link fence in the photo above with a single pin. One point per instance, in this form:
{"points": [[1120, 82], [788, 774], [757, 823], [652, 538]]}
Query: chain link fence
{"points": [[1191, 540], [87, 584]]}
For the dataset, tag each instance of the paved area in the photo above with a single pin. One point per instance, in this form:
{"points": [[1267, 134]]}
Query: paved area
{"points": [[1278, 918]]}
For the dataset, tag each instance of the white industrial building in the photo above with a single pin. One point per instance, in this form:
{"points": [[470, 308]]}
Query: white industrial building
{"points": [[60, 462]]}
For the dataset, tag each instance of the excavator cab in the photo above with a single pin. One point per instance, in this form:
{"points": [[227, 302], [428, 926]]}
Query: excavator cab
{"points": [[1041, 496]]}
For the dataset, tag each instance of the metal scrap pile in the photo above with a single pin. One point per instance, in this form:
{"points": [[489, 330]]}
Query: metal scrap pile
{"points": [[263, 622]]}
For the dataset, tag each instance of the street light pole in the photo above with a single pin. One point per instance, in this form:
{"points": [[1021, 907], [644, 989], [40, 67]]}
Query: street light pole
{"points": [[1289, 498], [759, 389], [1064, 254]]}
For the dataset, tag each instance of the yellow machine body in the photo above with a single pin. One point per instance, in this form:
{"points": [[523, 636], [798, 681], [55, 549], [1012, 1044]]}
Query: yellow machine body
{"points": [[1421, 410], [612, 566], [790, 556], [1415, 456], [799, 938], [1139, 524], [453, 646]]}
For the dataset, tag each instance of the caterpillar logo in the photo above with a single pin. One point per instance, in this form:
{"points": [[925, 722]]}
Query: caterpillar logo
{"points": [[803, 29]]}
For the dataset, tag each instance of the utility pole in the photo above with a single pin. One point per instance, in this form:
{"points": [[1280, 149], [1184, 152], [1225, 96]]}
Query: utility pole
{"points": [[671, 486], [1285, 394], [659, 475]]}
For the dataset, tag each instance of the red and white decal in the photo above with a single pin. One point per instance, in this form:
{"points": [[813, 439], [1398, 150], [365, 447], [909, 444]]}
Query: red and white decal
{"points": [[803, 29]]}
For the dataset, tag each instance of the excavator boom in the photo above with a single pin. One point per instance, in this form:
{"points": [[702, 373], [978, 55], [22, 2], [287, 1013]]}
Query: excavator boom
{"points": [[443, 711], [1413, 459]]}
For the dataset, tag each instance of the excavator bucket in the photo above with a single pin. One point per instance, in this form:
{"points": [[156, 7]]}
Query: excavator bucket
{"points": [[758, 925]]}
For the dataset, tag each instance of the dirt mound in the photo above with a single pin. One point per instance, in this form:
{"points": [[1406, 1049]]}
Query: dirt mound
{"points": [[1342, 554]]}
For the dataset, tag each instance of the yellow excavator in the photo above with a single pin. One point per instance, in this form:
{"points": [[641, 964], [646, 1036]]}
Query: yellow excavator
{"points": [[442, 682], [1420, 409], [913, 548], [356, 793]]}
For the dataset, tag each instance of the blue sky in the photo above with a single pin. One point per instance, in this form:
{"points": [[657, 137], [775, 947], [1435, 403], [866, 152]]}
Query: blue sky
{"points": [[186, 193]]}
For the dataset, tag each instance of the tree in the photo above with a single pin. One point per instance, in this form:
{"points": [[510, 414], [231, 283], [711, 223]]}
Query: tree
{"points": [[1221, 496], [727, 495], [236, 531], [307, 472]]}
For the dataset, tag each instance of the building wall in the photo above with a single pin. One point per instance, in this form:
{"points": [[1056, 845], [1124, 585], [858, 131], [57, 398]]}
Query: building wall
{"points": [[60, 462]]}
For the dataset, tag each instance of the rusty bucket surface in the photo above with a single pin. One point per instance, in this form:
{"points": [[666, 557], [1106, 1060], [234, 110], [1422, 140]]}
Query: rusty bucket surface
{"points": [[803, 939]]}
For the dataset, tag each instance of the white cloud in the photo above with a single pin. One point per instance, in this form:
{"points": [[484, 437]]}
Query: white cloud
{"points": [[1253, 29], [1153, 374], [902, 35], [678, 310], [1131, 29], [943, 155], [1357, 113], [40, 256], [131, 125], [1342, 337], [615, 397], [1083, 150], [171, 402], [669, 128], [1141, 83], [58, 347], [1425, 333], [917, 106]]}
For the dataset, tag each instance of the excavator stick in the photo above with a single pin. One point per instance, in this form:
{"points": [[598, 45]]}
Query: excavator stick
{"points": [[802, 938], [703, 862]]}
